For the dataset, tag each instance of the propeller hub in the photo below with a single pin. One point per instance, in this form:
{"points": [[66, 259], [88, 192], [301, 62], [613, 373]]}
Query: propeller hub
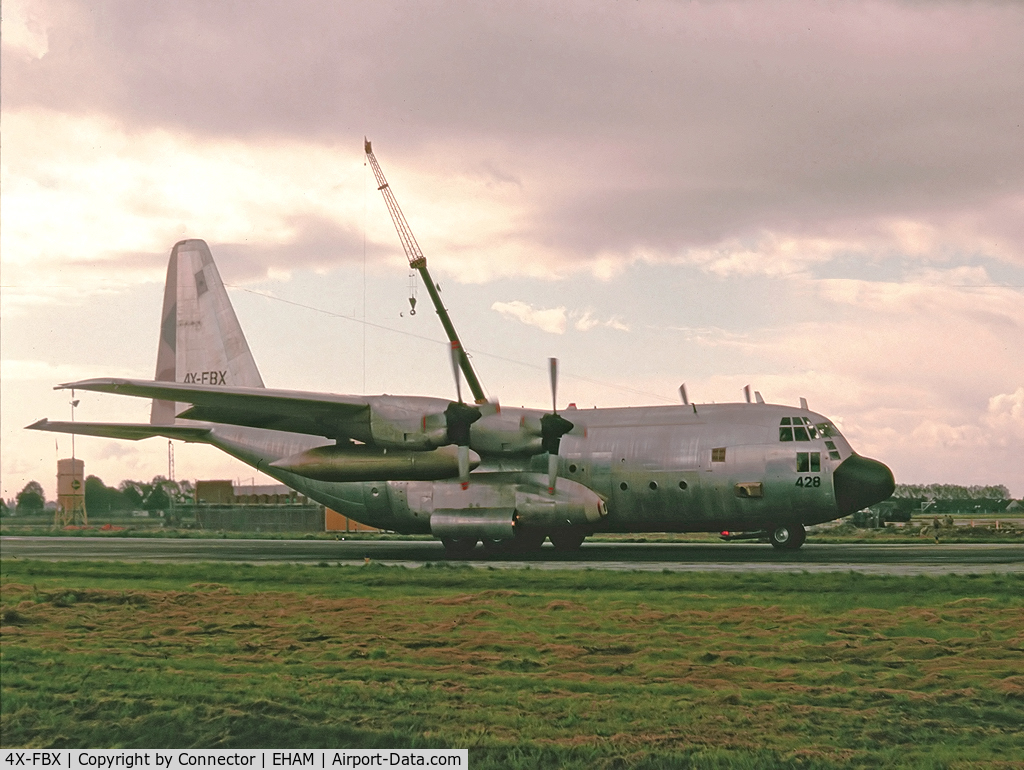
{"points": [[552, 428], [459, 417]]}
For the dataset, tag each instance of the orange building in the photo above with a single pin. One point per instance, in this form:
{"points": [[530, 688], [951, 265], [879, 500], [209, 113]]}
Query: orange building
{"points": [[336, 522]]}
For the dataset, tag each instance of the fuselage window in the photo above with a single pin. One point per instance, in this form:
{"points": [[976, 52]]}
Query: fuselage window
{"points": [[718, 455], [833, 453], [808, 462]]}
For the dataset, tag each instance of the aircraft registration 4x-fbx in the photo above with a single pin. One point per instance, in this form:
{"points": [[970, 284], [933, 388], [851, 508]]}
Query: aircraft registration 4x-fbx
{"points": [[472, 472]]}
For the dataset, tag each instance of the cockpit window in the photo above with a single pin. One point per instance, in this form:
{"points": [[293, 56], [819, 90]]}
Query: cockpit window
{"points": [[798, 429], [808, 462]]}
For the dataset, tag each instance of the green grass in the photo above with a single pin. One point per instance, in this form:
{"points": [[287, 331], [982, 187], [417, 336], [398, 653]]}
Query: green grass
{"points": [[527, 668]]}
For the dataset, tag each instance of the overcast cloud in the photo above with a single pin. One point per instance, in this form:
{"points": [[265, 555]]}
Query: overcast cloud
{"points": [[824, 198]]}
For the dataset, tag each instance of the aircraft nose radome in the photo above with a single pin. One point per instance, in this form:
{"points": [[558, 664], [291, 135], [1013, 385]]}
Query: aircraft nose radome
{"points": [[860, 482]]}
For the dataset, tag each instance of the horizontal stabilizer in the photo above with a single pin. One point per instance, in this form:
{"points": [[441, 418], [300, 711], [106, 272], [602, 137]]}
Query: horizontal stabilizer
{"points": [[133, 431]]}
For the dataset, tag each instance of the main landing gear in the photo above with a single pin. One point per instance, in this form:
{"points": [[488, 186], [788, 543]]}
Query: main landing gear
{"points": [[787, 537], [458, 547], [567, 540]]}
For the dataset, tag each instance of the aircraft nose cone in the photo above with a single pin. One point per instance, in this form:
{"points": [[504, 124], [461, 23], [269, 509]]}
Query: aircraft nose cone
{"points": [[860, 482]]}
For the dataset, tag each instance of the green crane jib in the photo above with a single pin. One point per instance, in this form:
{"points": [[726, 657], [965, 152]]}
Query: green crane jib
{"points": [[418, 262]]}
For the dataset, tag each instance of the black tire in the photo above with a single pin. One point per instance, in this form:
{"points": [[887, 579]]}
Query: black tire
{"points": [[567, 540], [787, 537], [495, 546], [458, 547], [527, 541]]}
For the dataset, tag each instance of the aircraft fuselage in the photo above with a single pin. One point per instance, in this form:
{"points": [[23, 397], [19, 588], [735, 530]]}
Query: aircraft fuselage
{"points": [[679, 468]]}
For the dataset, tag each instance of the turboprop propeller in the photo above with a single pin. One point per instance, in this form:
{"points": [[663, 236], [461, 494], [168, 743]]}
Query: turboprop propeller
{"points": [[459, 417], [552, 427]]}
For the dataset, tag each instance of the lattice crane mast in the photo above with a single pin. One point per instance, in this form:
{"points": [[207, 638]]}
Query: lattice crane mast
{"points": [[419, 263]]}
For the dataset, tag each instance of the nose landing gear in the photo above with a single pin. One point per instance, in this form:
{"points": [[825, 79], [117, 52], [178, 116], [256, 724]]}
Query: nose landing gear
{"points": [[787, 537]]}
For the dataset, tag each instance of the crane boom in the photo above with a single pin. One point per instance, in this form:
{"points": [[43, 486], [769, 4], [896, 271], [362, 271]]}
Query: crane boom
{"points": [[419, 263]]}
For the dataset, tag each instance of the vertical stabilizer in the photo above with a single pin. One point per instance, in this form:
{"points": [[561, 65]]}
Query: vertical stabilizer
{"points": [[201, 340]]}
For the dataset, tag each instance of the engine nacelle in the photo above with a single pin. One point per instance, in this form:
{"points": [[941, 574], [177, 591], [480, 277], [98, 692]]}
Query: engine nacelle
{"points": [[506, 435]]}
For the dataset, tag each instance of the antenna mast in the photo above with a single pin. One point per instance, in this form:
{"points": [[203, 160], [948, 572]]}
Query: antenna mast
{"points": [[419, 263]]}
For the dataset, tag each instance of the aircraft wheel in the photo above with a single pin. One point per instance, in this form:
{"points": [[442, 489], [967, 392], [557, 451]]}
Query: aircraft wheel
{"points": [[458, 547], [567, 539], [787, 536], [528, 541]]}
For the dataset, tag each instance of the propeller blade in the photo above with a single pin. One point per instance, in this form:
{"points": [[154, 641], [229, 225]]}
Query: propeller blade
{"points": [[553, 365], [456, 371], [552, 472], [552, 428], [682, 393], [746, 392], [464, 466]]}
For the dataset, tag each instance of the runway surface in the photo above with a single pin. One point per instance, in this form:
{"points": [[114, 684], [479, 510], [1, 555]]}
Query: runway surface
{"points": [[887, 559]]}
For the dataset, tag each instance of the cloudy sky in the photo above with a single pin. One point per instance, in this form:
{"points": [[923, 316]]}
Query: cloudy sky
{"points": [[818, 199]]}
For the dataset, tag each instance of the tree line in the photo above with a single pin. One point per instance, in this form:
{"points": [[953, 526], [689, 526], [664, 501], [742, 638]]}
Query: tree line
{"points": [[129, 495], [951, 492]]}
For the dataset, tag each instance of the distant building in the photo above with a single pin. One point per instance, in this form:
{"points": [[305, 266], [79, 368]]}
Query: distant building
{"points": [[221, 504], [214, 492], [224, 492], [336, 522]]}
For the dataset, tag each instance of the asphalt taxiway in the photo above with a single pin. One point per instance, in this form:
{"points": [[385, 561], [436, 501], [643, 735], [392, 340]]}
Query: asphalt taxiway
{"points": [[887, 559]]}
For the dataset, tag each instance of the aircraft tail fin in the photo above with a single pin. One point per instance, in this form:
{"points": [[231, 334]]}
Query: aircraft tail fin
{"points": [[201, 340]]}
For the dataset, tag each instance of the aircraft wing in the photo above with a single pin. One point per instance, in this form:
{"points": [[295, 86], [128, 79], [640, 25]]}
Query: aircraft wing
{"points": [[130, 431], [318, 414]]}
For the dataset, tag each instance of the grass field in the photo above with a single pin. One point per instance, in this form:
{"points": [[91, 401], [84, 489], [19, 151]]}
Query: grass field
{"points": [[526, 668]]}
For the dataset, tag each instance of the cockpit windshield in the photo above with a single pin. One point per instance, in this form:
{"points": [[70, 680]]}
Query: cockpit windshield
{"points": [[802, 429], [827, 429]]}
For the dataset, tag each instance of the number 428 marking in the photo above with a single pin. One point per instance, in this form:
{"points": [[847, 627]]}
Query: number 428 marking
{"points": [[809, 481]]}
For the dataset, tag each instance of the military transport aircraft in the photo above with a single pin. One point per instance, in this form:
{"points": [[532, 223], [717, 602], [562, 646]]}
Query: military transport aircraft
{"points": [[467, 473]]}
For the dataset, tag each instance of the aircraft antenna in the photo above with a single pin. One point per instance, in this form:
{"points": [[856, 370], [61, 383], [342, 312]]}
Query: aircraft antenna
{"points": [[419, 263]]}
